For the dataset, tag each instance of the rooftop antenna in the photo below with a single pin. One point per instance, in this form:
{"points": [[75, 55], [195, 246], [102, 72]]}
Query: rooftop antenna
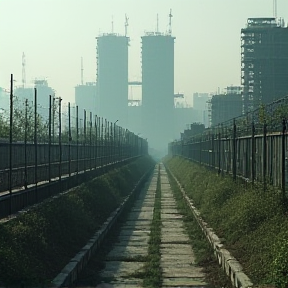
{"points": [[126, 24], [82, 83], [157, 27], [23, 70], [112, 25], [275, 8], [170, 22]]}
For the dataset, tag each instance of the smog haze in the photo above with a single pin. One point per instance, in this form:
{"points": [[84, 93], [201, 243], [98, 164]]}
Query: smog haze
{"points": [[54, 35]]}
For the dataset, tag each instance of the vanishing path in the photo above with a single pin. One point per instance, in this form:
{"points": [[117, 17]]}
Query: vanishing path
{"points": [[127, 257], [177, 257], [124, 263]]}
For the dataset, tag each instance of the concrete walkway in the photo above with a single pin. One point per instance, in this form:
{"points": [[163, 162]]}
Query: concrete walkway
{"points": [[177, 257], [125, 260]]}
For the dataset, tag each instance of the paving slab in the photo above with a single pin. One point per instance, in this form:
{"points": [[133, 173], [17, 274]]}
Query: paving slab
{"points": [[127, 283], [120, 252], [177, 257], [116, 269], [132, 241], [134, 233], [180, 282], [175, 238]]}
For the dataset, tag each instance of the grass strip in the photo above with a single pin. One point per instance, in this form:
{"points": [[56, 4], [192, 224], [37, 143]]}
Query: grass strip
{"points": [[152, 270], [203, 252]]}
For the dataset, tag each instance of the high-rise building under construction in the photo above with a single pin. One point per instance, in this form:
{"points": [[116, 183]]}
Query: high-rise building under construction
{"points": [[112, 77], [264, 57], [158, 88]]}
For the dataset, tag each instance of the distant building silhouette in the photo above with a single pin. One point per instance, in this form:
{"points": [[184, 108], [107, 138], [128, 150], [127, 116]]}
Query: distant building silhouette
{"points": [[264, 61], [224, 107], [200, 106], [4, 100], [85, 97], [43, 92], [158, 88], [112, 77]]}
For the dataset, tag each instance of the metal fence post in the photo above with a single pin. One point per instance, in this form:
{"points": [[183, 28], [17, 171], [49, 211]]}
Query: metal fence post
{"points": [[200, 150], [49, 138], [219, 152], [60, 144], [90, 141], [96, 138], [102, 143], [283, 159], [77, 139], [35, 141], [10, 143], [25, 144], [234, 151], [53, 120], [111, 142], [253, 153], [69, 138], [264, 155], [84, 149]]}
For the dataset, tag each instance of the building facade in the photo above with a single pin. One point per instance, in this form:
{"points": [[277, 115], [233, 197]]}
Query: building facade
{"points": [[158, 88], [264, 57], [225, 107], [85, 97], [200, 106], [112, 77]]}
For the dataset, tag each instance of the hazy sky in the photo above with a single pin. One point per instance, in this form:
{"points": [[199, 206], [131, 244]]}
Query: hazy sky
{"points": [[54, 34]]}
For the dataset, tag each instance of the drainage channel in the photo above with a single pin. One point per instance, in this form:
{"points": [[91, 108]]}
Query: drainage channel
{"points": [[177, 257], [126, 249]]}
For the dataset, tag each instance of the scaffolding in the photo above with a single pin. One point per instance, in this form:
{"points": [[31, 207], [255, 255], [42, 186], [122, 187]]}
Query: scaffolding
{"points": [[264, 61]]}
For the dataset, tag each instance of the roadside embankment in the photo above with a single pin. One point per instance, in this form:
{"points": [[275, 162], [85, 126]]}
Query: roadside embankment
{"points": [[37, 244], [251, 223]]}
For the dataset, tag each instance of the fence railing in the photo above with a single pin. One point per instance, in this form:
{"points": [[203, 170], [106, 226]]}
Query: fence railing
{"points": [[253, 147], [39, 144]]}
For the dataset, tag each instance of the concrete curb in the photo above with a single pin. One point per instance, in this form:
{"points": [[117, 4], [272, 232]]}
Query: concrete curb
{"points": [[229, 264], [70, 272]]}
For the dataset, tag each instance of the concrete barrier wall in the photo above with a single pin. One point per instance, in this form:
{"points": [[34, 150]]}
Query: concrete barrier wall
{"points": [[229, 264]]}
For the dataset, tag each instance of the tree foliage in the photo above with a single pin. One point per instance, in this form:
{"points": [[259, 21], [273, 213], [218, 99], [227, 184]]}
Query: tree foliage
{"points": [[23, 121]]}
